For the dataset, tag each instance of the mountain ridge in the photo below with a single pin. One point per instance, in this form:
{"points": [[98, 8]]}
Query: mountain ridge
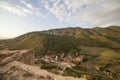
{"points": [[55, 39]]}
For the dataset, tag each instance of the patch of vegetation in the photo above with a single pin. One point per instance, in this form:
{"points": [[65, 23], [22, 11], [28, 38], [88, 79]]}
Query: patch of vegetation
{"points": [[48, 66], [110, 56], [69, 72]]}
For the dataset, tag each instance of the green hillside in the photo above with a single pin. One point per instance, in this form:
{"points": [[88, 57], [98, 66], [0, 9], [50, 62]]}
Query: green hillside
{"points": [[65, 39], [100, 48]]}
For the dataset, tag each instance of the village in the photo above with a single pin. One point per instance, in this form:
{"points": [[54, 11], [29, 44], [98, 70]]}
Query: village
{"points": [[62, 62]]}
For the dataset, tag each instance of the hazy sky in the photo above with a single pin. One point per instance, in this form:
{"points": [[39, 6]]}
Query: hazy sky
{"points": [[21, 16]]}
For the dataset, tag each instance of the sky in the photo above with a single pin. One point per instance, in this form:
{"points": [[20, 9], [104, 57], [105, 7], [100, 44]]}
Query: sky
{"points": [[21, 16]]}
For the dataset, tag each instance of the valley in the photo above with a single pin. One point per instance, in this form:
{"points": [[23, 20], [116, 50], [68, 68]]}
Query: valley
{"points": [[86, 54]]}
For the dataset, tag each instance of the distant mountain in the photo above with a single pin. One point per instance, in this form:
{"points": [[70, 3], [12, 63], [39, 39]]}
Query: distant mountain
{"points": [[65, 39]]}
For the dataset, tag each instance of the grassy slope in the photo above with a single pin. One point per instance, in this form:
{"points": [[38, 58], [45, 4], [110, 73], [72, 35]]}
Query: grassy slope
{"points": [[65, 40], [98, 45]]}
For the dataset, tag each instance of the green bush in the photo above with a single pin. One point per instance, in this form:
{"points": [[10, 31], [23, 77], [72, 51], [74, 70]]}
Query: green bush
{"points": [[69, 72], [48, 66]]}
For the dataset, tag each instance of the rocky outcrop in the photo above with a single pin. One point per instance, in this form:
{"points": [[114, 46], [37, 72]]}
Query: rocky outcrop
{"points": [[19, 71], [19, 66], [25, 56]]}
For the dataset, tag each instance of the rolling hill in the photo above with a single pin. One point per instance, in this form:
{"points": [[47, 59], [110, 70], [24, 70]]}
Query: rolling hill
{"points": [[100, 48], [65, 39]]}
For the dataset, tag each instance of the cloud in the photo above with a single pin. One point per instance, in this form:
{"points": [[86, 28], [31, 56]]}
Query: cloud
{"points": [[73, 4], [34, 10], [25, 10], [81, 12], [104, 13], [27, 4], [57, 9], [15, 9], [94, 13]]}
